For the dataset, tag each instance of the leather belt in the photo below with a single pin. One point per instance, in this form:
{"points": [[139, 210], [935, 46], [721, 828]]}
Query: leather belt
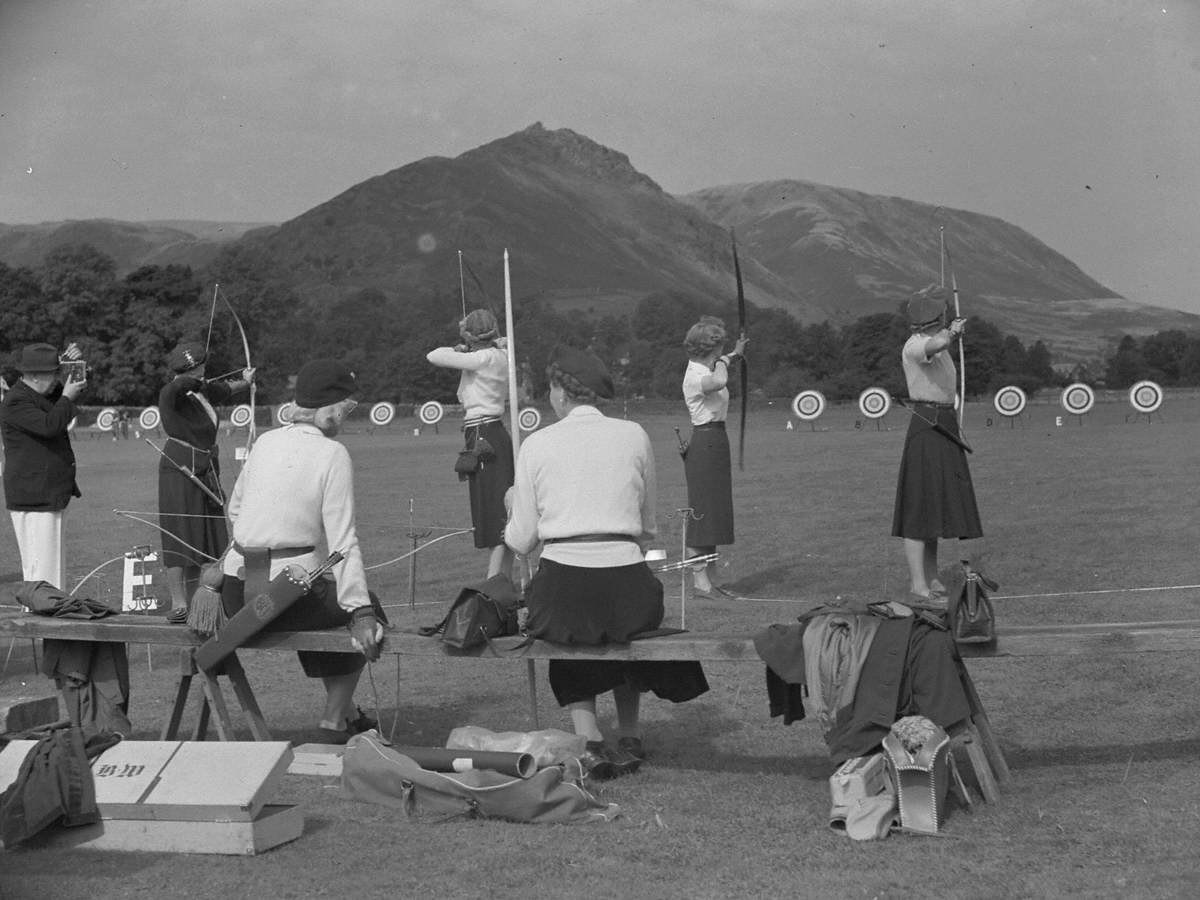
{"points": [[590, 539], [720, 425], [279, 552], [934, 403]]}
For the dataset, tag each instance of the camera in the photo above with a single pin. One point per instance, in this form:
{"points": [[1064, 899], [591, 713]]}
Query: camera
{"points": [[75, 370]]}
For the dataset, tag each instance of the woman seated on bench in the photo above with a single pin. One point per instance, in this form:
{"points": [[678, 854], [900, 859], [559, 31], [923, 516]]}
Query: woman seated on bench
{"points": [[295, 493], [585, 489]]}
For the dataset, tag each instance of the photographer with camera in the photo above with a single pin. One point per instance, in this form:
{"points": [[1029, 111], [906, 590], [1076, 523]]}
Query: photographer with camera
{"points": [[39, 471]]}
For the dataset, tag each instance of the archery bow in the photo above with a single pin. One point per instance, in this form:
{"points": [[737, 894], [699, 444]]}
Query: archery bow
{"points": [[962, 365], [252, 427], [741, 301]]}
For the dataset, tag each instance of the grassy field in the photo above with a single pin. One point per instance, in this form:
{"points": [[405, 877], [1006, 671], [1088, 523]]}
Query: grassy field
{"points": [[1086, 521]]}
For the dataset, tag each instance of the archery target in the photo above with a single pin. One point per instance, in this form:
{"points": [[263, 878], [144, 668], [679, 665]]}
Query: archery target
{"points": [[874, 402], [107, 419], [529, 419], [149, 418], [1145, 396], [808, 405], [1078, 398], [382, 413], [430, 413], [241, 415], [1010, 400], [283, 415]]}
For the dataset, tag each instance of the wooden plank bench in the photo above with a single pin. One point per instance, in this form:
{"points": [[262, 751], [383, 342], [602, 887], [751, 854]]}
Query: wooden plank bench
{"points": [[977, 737]]}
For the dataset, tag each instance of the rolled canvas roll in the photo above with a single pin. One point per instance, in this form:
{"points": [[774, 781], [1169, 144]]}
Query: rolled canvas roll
{"points": [[439, 759]]}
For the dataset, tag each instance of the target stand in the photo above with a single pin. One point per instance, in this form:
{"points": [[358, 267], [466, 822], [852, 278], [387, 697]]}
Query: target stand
{"points": [[874, 404], [1010, 402], [429, 413], [1078, 399], [1145, 397]]}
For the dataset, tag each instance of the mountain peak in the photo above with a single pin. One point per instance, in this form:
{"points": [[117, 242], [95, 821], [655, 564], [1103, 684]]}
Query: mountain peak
{"points": [[562, 147]]}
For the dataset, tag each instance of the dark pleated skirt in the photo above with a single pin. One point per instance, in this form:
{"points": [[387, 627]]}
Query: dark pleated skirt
{"points": [[934, 494], [576, 605], [709, 486], [315, 611], [488, 485], [189, 516]]}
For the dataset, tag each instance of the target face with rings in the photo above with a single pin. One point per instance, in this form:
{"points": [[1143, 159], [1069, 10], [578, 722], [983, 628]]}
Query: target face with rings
{"points": [[382, 413], [107, 419], [1078, 398], [241, 415], [283, 415], [808, 405], [149, 418], [529, 419], [1145, 396], [430, 413], [874, 402], [1010, 400]]}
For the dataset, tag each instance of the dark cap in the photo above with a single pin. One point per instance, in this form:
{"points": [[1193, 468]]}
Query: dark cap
{"points": [[584, 369], [323, 382], [37, 359], [926, 306], [186, 356]]}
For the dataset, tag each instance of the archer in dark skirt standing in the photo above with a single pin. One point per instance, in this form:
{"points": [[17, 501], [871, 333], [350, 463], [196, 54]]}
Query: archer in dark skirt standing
{"points": [[482, 391], [192, 519], [934, 495], [706, 461]]}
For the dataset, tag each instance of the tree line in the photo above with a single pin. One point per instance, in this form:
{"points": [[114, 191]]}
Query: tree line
{"points": [[127, 325]]}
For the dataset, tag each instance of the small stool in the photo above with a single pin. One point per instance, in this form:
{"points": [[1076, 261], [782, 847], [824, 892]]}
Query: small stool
{"points": [[214, 700]]}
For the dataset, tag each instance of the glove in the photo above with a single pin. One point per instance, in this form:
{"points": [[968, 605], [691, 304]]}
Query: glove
{"points": [[366, 634]]}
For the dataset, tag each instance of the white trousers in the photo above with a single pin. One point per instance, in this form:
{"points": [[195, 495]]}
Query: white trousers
{"points": [[40, 539]]}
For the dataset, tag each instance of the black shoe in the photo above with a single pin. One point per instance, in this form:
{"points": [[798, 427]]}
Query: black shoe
{"points": [[624, 761], [596, 763], [362, 723], [632, 746]]}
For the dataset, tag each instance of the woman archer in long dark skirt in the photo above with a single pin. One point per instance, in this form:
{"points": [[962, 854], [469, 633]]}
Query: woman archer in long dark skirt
{"points": [[190, 500], [934, 494], [706, 461]]}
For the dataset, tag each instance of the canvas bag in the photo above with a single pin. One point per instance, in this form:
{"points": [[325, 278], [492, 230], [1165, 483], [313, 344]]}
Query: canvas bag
{"points": [[971, 617], [479, 613], [373, 771]]}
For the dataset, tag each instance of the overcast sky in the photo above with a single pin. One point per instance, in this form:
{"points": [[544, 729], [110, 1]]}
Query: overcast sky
{"points": [[1077, 121]]}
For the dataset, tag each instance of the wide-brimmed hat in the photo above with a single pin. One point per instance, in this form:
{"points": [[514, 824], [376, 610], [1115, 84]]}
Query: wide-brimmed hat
{"points": [[926, 306], [323, 382], [186, 356], [37, 359]]}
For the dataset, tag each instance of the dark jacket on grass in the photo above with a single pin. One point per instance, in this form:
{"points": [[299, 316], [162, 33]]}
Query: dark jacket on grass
{"points": [[39, 463]]}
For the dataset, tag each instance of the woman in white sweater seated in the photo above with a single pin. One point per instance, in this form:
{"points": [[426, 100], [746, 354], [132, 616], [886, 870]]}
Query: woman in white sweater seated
{"points": [[585, 490]]}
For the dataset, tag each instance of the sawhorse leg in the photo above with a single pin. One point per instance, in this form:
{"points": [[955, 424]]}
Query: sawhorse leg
{"points": [[213, 700]]}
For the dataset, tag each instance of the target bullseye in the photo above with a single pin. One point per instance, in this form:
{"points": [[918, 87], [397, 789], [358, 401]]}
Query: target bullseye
{"points": [[283, 415], [529, 419], [1145, 397], [107, 419], [241, 415], [382, 413], [874, 402], [1010, 400], [430, 413], [149, 418], [808, 405], [1078, 398]]}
